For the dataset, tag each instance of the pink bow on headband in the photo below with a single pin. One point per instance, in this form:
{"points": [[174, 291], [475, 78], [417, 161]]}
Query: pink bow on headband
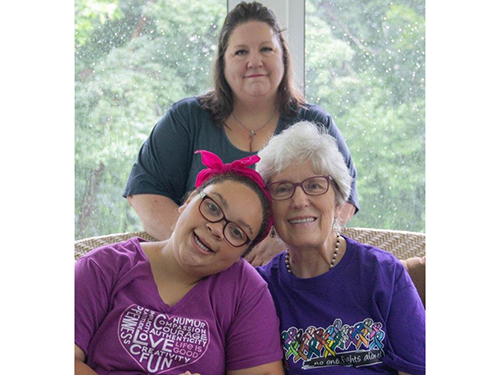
{"points": [[215, 166]]}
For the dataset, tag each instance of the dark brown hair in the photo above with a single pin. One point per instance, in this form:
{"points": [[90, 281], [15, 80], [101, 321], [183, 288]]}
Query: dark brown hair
{"points": [[219, 101]]}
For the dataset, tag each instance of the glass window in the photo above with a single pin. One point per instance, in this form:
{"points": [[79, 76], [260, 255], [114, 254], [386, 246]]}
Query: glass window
{"points": [[365, 64], [133, 59]]}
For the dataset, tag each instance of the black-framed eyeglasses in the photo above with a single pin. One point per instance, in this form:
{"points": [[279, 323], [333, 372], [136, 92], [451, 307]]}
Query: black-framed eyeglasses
{"points": [[212, 212], [317, 185]]}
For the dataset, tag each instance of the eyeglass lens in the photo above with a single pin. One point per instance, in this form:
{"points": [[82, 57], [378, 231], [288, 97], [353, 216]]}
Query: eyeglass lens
{"points": [[312, 186], [213, 213]]}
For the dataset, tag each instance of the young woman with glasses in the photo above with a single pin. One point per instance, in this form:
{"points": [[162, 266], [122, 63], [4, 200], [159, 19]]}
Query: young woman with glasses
{"points": [[344, 307], [189, 304]]}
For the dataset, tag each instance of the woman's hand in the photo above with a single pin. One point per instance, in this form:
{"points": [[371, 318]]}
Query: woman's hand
{"points": [[80, 367], [189, 373], [265, 251]]}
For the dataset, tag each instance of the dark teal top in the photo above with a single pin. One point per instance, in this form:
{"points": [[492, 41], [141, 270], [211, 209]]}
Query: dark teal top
{"points": [[167, 165]]}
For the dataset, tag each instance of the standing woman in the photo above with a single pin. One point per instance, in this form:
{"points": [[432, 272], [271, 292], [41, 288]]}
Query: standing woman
{"points": [[189, 303], [253, 98], [344, 307]]}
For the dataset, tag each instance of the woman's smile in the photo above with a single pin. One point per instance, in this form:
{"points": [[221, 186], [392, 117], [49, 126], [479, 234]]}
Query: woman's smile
{"points": [[302, 221], [256, 75], [200, 245]]}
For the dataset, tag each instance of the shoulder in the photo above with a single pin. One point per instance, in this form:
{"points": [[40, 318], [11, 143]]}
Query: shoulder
{"points": [[270, 271], [313, 113], [317, 115], [183, 116], [114, 258], [375, 260], [186, 104], [245, 273], [370, 252], [187, 112], [240, 282]]}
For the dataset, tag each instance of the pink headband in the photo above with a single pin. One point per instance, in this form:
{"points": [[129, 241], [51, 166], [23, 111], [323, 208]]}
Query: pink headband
{"points": [[215, 166]]}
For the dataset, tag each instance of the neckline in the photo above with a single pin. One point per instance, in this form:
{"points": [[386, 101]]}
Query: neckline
{"points": [[319, 281], [153, 287], [279, 128]]}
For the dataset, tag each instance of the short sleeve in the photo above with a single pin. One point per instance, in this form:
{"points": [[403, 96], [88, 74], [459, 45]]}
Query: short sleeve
{"points": [[253, 338], [164, 160], [92, 292], [406, 329]]}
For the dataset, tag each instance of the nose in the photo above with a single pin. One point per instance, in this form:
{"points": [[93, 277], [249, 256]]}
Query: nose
{"points": [[216, 229], [300, 198], [254, 60]]}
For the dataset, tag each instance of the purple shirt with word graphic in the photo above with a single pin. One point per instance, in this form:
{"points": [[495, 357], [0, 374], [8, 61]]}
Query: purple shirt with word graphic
{"points": [[363, 316], [226, 322]]}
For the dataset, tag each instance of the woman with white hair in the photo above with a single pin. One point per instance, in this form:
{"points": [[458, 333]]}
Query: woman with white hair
{"points": [[344, 307]]}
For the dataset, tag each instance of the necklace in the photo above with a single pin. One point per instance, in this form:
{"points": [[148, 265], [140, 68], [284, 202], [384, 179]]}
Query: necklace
{"points": [[252, 133], [332, 262]]}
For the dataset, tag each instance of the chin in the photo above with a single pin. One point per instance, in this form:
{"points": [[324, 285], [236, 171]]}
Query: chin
{"points": [[301, 240], [259, 90]]}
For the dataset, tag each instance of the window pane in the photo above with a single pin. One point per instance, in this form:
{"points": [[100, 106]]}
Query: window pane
{"points": [[133, 59], [365, 64]]}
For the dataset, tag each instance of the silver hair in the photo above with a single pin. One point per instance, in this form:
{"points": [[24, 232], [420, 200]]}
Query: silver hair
{"points": [[301, 143]]}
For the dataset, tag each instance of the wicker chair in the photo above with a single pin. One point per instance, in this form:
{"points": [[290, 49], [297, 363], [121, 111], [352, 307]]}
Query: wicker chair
{"points": [[403, 245], [409, 247]]}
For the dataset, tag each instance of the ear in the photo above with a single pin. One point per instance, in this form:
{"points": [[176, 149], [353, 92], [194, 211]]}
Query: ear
{"points": [[336, 211], [186, 203]]}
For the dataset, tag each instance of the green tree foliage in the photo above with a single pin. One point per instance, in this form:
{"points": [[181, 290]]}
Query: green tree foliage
{"points": [[366, 65], [131, 65]]}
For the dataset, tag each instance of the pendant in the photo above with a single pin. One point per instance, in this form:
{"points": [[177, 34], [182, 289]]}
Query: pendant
{"points": [[251, 134]]}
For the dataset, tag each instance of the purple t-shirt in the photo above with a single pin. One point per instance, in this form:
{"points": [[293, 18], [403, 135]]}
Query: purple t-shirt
{"points": [[363, 316], [226, 322]]}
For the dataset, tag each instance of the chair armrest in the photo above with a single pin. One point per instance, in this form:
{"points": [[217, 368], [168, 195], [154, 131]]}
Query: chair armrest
{"points": [[416, 269]]}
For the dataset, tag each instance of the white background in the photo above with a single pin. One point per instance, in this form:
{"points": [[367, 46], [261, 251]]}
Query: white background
{"points": [[36, 188]]}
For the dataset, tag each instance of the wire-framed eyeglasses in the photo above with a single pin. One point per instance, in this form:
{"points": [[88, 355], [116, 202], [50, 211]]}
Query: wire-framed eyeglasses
{"points": [[316, 185], [212, 212]]}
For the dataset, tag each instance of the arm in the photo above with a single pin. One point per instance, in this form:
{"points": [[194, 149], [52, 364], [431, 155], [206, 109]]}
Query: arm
{"points": [[80, 367], [158, 214], [262, 254], [273, 368], [405, 325], [157, 182], [93, 283]]}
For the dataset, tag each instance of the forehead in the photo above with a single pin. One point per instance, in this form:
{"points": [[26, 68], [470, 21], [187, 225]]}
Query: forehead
{"points": [[252, 32], [295, 172], [239, 202]]}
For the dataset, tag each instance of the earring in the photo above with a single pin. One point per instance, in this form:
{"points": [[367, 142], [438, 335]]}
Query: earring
{"points": [[273, 232]]}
